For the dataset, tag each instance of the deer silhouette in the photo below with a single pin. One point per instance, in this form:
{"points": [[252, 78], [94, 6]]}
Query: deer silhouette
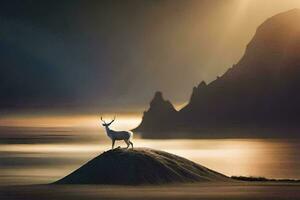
{"points": [[117, 135]]}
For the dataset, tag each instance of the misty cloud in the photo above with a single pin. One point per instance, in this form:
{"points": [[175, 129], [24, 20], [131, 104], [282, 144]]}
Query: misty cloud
{"points": [[116, 54]]}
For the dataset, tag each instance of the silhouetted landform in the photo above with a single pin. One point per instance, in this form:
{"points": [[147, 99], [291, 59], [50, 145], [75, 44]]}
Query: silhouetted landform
{"points": [[140, 166], [263, 179], [259, 96]]}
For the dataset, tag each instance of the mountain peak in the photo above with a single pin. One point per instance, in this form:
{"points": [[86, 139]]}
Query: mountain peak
{"points": [[272, 53], [158, 102], [283, 21], [160, 111], [278, 31], [157, 99], [197, 91], [202, 84]]}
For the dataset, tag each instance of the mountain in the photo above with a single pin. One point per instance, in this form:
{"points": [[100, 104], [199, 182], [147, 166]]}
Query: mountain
{"points": [[257, 96], [158, 113], [140, 166]]}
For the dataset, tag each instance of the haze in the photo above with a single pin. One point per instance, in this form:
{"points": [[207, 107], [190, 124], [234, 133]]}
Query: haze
{"points": [[113, 55]]}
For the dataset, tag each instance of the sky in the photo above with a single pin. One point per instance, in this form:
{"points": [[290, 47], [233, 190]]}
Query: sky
{"points": [[113, 55]]}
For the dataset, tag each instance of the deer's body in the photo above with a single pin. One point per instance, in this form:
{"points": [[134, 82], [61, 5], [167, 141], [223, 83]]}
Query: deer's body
{"points": [[117, 135]]}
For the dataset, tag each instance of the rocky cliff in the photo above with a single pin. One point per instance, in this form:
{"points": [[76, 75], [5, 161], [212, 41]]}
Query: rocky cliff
{"points": [[159, 116], [260, 92]]}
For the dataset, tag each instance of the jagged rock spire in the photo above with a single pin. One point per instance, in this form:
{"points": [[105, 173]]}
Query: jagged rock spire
{"points": [[159, 115], [197, 91]]}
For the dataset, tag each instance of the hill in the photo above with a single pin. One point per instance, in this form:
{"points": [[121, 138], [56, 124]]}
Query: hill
{"points": [[138, 167], [258, 95]]}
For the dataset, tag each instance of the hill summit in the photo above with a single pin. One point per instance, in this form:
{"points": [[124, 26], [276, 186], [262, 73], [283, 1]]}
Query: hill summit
{"points": [[140, 166]]}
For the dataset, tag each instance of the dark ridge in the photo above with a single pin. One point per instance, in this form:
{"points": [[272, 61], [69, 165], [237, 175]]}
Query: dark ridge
{"points": [[151, 118], [263, 179], [140, 166], [257, 97]]}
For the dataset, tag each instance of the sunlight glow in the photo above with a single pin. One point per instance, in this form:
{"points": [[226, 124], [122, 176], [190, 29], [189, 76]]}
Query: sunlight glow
{"points": [[123, 121], [228, 156]]}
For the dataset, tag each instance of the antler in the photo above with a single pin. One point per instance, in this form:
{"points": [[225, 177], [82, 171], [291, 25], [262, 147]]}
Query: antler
{"points": [[112, 120], [102, 120], [109, 122]]}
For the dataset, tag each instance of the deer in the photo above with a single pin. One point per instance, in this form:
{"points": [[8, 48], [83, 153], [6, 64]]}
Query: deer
{"points": [[117, 135]]}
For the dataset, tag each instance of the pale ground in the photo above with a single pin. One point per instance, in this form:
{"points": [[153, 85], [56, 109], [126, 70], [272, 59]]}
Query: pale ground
{"points": [[207, 191]]}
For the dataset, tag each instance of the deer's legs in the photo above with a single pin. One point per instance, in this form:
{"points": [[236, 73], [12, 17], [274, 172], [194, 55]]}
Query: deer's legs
{"points": [[113, 144], [130, 143], [127, 142]]}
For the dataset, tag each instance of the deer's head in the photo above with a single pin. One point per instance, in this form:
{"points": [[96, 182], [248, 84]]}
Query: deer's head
{"points": [[107, 124]]}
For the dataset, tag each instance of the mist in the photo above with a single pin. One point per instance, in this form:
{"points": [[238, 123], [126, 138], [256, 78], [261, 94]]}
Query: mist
{"points": [[113, 55]]}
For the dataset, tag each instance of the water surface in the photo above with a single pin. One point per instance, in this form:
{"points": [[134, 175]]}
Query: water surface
{"points": [[38, 153]]}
